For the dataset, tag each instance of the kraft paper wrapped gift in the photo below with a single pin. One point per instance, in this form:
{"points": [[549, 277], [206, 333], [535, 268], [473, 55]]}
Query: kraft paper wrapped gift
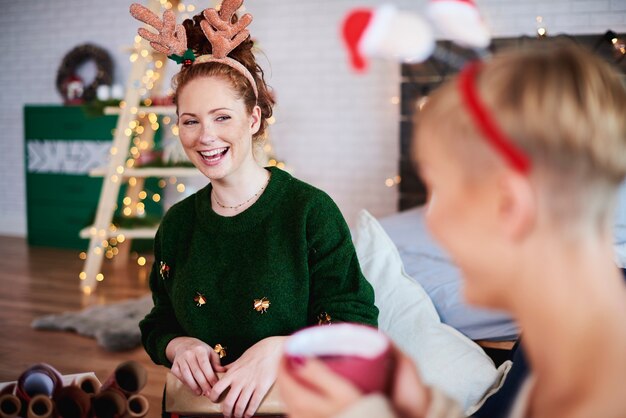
{"points": [[181, 401]]}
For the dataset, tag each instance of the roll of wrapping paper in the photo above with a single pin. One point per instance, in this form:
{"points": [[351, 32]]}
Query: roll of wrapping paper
{"points": [[129, 377], [137, 406], [10, 405], [72, 402], [39, 379], [109, 403], [40, 406], [88, 384]]}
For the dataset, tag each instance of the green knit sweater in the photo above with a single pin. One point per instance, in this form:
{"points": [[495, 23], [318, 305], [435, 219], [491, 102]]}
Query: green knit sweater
{"points": [[291, 247]]}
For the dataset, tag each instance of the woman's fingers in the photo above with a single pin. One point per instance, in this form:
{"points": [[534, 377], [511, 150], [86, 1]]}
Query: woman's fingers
{"points": [[409, 395], [194, 362], [204, 362], [291, 387], [195, 370], [228, 404], [200, 373], [176, 371], [216, 364], [300, 401], [243, 401], [315, 374], [254, 403], [186, 376], [219, 388], [305, 400]]}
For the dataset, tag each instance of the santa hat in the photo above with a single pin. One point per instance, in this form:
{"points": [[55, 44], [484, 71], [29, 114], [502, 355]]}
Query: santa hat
{"points": [[459, 21], [386, 33]]}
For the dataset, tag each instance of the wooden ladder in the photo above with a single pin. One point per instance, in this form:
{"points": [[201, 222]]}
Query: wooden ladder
{"points": [[120, 166]]}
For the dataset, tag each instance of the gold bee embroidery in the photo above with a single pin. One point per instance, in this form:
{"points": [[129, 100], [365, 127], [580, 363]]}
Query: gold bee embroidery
{"points": [[221, 351], [164, 270], [324, 319], [200, 299], [261, 305]]}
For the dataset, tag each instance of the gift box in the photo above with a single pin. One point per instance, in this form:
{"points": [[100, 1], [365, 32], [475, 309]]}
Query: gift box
{"points": [[180, 401]]}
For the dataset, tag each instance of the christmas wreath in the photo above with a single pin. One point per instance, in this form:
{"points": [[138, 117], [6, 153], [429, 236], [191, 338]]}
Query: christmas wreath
{"points": [[70, 85]]}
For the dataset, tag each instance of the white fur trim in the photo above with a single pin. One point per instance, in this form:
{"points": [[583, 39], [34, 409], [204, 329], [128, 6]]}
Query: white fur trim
{"points": [[337, 339], [400, 36], [460, 22], [375, 31]]}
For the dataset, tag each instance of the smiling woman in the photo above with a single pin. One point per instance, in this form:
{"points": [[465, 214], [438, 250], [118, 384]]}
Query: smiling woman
{"points": [[257, 254], [216, 131]]}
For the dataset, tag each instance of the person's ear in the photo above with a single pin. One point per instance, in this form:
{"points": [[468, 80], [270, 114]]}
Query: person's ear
{"points": [[255, 119], [517, 205]]}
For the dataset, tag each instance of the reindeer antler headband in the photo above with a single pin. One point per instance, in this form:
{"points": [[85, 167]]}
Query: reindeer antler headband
{"points": [[223, 35]]}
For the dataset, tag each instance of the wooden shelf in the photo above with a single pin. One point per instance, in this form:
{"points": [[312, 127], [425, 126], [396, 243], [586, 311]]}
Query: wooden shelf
{"points": [[151, 172], [159, 110], [134, 233]]}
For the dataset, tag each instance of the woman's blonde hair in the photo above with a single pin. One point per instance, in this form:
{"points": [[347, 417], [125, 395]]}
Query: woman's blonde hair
{"points": [[564, 107]]}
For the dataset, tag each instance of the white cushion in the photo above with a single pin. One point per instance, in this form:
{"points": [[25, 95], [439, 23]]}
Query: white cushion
{"points": [[619, 228], [446, 358]]}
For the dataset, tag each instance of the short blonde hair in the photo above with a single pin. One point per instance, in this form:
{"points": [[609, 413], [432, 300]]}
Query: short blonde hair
{"points": [[563, 107]]}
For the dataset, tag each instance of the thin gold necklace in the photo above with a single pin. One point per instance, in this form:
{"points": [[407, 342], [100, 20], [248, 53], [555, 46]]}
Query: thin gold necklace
{"points": [[241, 204]]}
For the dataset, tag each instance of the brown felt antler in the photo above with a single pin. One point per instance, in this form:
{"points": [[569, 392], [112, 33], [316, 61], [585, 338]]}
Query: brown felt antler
{"points": [[221, 32], [171, 38]]}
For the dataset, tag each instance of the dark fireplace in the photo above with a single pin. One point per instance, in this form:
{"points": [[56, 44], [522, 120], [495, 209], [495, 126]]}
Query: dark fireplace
{"points": [[418, 80]]}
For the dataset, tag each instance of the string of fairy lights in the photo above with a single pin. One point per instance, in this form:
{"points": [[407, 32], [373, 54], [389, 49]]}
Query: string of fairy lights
{"points": [[140, 130]]}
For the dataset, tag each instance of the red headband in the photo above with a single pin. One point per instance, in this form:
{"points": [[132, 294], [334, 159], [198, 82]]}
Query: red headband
{"points": [[486, 124]]}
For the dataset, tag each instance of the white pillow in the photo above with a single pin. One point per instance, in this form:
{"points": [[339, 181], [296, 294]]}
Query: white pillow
{"points": [[620, 255], [446, 358], [619, 228]]}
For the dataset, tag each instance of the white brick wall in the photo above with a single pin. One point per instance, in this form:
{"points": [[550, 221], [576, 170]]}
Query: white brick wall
{"points": [[335, 130], [34, 37]]}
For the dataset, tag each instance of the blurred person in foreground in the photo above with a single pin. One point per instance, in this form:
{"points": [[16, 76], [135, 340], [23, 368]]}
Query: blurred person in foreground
{"points": [[522, 156]]}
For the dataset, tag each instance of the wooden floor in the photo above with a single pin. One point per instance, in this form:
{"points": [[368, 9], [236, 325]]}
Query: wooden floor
{"points": [[40, 281]]}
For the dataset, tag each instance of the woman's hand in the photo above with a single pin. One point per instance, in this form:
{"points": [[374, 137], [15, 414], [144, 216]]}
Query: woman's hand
{"points": [[248, 379], [194, 363], [312, 390], [409, 396]]}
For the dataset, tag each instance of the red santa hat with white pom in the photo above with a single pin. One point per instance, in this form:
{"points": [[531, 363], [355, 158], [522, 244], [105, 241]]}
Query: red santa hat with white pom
{"points": [[385, 32]]}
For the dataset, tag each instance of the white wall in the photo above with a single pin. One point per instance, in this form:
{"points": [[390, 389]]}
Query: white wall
{"points": [[335, 130]]}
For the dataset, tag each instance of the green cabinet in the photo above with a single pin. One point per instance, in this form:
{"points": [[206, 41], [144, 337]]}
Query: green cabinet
{"points": [[62, 145]]}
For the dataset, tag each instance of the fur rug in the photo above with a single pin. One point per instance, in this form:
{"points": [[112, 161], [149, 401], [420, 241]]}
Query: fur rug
{"points": [[115, 326]]}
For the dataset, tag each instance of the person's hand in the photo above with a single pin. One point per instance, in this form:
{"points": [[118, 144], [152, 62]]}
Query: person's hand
{"points": [[310, 389], [409, 396], [194, 363], [248, 379]]}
